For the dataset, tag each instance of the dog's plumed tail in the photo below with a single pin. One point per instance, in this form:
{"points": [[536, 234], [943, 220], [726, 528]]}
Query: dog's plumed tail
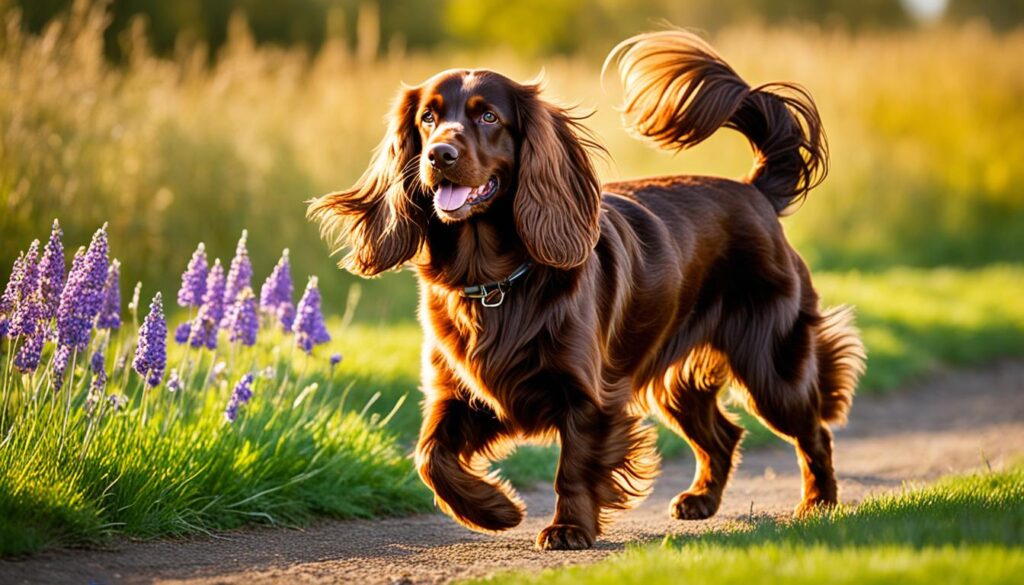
{"points": [[841, 358], [678, 92]]}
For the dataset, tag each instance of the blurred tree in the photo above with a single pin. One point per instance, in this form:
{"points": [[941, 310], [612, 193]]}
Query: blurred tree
{"points": [[295, 22], [1001, 14], [526, 26]]}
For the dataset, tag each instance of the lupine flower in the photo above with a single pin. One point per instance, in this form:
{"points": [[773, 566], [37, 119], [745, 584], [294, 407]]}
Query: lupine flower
{"points": [[51, 273], [118, 401], [239, 275], [27, 359], [82, 298], [206, 323], [182, 332], [99, 374], [133, 305], [243, 323], [286, 315], [239, 396], [97, 362], [61, 358], [29, 309], [335, 360], [174, 381], [309, 326], [218, 370], [110, 309], [9, 300], [193, 280], [151, 353], [120, 364], [277, 291]]}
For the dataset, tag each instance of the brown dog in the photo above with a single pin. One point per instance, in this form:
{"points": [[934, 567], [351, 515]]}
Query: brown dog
{"points": [[554, 308]]}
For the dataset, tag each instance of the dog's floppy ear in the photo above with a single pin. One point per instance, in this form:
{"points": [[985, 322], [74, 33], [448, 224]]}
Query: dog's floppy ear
{"points": [[380, 218], [558, 201]]}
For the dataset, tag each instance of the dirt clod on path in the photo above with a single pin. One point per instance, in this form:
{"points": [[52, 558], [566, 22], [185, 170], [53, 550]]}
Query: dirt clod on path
{"points": [[955, 422]]}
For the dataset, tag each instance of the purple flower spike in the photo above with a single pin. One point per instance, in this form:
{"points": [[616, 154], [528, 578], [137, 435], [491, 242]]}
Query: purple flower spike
{"points": [[27, 359], [277, 291], [335, 359], [61, 358], [29, 309], [151, 353], [110, 309], [207, 322], [9, 300], [193, 280], [82, 298], [99, 374], [182, 332], [239, 276], [286, 315], [51, 272], [239, 396], [173, 381], [242, 319], [309, 326]]}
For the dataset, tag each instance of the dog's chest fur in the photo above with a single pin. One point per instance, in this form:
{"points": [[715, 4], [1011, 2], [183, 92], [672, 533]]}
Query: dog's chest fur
{"points": [[501, 355]]}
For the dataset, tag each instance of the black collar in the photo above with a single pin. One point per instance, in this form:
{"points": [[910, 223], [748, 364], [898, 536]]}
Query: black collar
{"points": [[493, 294]]}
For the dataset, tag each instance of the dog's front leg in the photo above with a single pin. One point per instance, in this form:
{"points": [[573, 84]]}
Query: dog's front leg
{"points": [[607, 462], [456, 438], [575, 524]]}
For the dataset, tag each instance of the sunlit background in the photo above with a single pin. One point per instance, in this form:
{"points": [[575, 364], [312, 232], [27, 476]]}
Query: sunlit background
{"points": [[187, 121], [181, 121]]}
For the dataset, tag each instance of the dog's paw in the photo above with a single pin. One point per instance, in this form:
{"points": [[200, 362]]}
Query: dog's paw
{"points": [[812, 506], [691, 506], [493, 513], [501, 514], [564, 537]]}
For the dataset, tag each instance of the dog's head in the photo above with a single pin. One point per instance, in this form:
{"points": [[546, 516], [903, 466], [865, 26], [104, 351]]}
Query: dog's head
{"points": [[456, 145]]}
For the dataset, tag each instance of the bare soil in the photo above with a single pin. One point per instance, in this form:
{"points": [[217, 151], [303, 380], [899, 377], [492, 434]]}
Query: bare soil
{"points": [[954, 422]]}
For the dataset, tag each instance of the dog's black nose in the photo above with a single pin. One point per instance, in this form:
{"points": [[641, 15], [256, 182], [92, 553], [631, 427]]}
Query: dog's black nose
{"points": [[442, 155]]}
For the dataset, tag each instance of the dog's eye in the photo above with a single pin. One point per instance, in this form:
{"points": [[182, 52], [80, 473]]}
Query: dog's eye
{"points": [[427, 117], [489, 118]]}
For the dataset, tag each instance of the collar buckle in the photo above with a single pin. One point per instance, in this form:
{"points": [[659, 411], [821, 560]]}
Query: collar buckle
{"points": [[494, 297], [493, 294]]}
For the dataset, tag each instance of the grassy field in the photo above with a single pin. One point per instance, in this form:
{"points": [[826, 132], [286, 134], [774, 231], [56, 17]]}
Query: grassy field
{"points": [[961, 530], [296, 452], [176, 150], [242, 432], [330, 453], [919, 225]]}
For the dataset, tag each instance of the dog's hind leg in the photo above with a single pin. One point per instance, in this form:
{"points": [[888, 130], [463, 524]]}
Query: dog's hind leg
{"points": [[798, 382], [688, 403]]}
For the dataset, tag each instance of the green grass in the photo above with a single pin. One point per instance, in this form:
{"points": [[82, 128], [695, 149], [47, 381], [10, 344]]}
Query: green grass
{"points": [[284, 463], [297, 451], [966, 529]]}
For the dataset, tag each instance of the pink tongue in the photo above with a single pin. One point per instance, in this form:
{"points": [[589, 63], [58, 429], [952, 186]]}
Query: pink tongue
{"points": [[451, 197]]}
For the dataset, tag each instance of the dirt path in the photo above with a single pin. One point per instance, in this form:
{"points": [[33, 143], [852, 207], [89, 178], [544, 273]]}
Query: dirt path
{"points": [[955, 422]]}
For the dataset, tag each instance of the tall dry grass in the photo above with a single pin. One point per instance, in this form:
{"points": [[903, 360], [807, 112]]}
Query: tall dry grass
{"points": [[925, 131]]}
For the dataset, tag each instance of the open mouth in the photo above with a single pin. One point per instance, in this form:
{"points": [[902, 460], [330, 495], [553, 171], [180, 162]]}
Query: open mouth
{"points": [[450, 197]]}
